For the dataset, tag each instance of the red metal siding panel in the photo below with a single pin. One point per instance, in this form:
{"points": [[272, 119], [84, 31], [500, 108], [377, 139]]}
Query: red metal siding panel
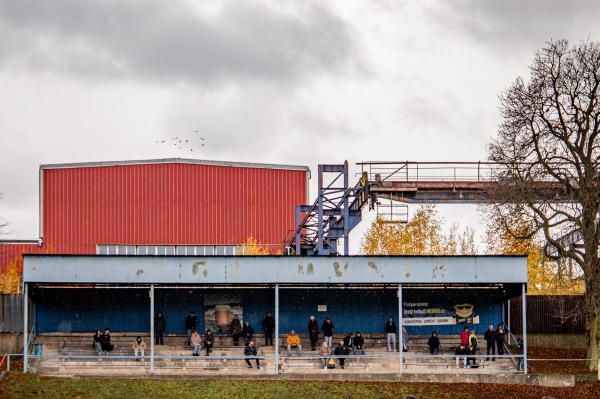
{"points": [[170, 203], [10, 255]]}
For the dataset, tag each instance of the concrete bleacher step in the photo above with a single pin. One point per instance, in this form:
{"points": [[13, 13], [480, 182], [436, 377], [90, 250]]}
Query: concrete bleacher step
{"points": [[76, 345]]}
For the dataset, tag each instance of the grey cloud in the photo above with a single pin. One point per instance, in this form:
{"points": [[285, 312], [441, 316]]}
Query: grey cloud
{"points": [[173, 42], [522, 26]]}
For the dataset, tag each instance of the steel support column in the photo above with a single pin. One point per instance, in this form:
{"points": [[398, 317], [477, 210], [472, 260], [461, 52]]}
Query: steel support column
{"points": [[152, 332], [320, 227], [25, 326], [276, 328], [346, 212], [524, 304], [400, 351], [298, 230]]}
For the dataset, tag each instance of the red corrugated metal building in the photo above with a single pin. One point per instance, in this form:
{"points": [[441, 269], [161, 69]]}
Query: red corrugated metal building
{"points": [[11, 251], [88, 208]]}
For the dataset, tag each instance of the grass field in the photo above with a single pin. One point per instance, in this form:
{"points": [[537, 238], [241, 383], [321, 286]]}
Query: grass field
{"points": [[17, 385]]}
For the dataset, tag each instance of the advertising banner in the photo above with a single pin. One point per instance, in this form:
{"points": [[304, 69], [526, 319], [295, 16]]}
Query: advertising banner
{"points": [[438, 313], [219, 310]]}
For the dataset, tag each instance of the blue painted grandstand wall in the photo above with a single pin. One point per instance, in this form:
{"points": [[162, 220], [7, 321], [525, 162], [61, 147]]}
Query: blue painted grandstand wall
{"points": [[351, 310]]}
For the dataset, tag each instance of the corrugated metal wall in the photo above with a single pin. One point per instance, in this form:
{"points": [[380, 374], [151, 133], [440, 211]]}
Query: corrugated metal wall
{"points": [[12, 253], [365, 310], [11, 313], [168, 203], [549, 314]]}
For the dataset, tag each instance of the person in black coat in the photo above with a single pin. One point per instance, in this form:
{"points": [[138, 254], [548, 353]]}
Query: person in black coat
{"points": [[268, 325], [98, 342], [434, 344], [247, 333], [490, 338], [250, 350], [461, 351], [359, 342], [472, 351], [327, 329], [159, 328], [105, 341], [190, 325], [236, 329], [349, 340], [313, 332], [500, 339], [341, 350]]}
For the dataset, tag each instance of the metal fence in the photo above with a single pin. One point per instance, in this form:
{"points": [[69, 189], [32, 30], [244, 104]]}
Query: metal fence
{"points": [[549, 314], [11, 313]]}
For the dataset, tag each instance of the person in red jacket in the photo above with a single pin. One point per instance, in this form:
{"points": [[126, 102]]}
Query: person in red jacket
{"points": [[464, 337]]}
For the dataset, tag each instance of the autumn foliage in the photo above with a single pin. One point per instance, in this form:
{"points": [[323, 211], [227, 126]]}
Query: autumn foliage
{"points": [[11, 279], [422, 235], [252, 247], [546, 277]]}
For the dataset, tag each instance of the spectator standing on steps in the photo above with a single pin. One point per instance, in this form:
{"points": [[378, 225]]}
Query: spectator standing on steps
{"points": [[247, 333], [390, 332], [159, 328], [313, 332], [268, 325], [404, 340], [473, 340], [500, 339], [490, 338], [464, 337], [236, 329], [190, 325], [250, 350], [520, 351], [327, 328]]}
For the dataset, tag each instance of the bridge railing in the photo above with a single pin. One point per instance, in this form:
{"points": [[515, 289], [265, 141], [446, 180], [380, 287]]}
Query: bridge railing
{"points": [[382, 171], [431, 171]]}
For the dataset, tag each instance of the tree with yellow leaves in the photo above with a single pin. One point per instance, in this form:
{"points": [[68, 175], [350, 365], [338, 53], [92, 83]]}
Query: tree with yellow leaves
{"points": [[252, 247], [545, 275], [11, 280], [422, 235]]}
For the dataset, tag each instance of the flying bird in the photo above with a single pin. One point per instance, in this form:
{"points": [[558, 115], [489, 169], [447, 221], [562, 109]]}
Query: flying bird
{"points": [[180, 143]]}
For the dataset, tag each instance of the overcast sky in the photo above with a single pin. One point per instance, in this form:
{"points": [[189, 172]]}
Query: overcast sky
{"points": [[290, 82]]}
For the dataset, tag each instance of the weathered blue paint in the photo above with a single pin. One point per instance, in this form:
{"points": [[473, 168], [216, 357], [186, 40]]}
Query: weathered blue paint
{"points": [[79, 269]]}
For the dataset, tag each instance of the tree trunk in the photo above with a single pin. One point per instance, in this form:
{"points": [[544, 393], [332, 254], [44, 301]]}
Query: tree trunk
{"points": [[592, 304]]}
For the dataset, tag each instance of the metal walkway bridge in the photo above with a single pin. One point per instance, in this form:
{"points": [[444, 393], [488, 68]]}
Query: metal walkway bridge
{"points": [[388, 187]]}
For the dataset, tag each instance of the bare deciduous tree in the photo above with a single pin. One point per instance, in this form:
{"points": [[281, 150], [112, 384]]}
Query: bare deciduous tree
{"points": [[3, 223], [549, 150]]}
